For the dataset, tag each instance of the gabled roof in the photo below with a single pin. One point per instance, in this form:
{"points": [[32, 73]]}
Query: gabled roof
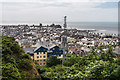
{"points": [[41, 49], [45, 45], [53, 47]]}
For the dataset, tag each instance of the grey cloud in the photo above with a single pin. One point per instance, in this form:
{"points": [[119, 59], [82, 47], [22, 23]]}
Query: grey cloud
{"points": [[54, 11]]}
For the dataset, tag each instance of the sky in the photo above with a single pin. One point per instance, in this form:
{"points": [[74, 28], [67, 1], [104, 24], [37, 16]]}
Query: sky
{"points": [[43, 11]]}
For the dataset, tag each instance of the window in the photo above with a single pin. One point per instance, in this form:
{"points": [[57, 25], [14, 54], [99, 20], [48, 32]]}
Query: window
{"points": [[53, 48], [37, 56], [44, 63], [40, 56], [37, 60], [40, 63], [37, 53], [40, 60], [43, 56], [44, 60], [44, 52]]}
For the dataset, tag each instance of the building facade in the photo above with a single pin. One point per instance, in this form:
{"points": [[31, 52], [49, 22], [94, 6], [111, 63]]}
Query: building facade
{"points": [[42, 53]]}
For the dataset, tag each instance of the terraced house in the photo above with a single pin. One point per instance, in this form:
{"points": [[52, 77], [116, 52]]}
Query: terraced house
{"points": [[42, 53]]}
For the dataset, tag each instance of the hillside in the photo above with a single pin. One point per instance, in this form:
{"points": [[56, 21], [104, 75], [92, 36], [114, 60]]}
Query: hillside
{"points": [[15, 63]]}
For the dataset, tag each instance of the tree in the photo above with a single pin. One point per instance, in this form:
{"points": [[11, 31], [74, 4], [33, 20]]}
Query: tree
{"points": [[10, 72], [70, 60], [115, 74], [15, 63], [52, 61], [24, 64], [99, 64]]}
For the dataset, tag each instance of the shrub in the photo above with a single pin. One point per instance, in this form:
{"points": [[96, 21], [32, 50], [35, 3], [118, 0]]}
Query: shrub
{"points": [[52, 61], [10, 72], [25, 56], [24, 64]]}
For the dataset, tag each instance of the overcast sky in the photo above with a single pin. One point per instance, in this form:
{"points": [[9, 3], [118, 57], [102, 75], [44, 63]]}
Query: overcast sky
{"points": [[37, 11]]}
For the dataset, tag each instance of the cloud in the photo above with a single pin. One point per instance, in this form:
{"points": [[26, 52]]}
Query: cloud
{"points": [[54, 11], [108, 5], [59, 0]]}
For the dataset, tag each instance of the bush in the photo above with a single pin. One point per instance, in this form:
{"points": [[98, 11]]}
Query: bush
{"points": [[24, 64], [10, 46], [71, 60], [115, 74], [25, 56], [15, 64], [10, 72], [101, 65], [52, 61]]}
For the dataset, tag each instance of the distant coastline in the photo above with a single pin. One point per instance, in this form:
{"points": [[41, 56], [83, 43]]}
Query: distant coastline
{"points": [[100, 27]]}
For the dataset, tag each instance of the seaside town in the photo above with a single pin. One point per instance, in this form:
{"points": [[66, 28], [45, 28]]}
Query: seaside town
{"points": [[59, 40], [42, 41]]}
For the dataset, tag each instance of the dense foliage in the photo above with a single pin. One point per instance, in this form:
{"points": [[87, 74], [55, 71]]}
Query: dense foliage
{"points": [[52, 61], [10, 72], [98, 65], [16, 65]]}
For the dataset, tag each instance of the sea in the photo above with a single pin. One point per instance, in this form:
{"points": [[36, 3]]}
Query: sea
{"points": [[100, 27]]}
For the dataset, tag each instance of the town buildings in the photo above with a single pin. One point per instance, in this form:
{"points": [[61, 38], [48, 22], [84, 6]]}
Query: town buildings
{"points": [[42, 41], [43, 52]]}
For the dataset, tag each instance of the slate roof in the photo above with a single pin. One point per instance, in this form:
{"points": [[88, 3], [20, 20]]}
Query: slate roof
{"points": [[117, 51], [30, 50], [46, 45], [41, 49]]}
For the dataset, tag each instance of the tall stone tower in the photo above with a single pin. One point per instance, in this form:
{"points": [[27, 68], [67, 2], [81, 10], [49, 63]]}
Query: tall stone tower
{"points": [[64, 37], [64, 40], [65, 24]]}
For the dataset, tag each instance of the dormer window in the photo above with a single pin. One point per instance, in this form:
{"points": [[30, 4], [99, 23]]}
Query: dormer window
{"points": [[53, 48], [43, 49]]}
